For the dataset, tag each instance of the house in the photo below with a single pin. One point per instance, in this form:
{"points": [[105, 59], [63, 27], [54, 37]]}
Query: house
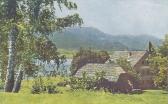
{"points": [[139, 62]]}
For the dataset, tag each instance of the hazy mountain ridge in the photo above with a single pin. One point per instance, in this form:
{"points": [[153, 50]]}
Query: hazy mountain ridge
{"points": [[74, 38]]}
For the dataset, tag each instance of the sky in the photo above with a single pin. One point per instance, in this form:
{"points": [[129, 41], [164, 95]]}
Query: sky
{"points": [[135, 17]]}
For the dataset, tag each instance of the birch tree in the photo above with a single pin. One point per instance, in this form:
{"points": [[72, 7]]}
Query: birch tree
{"points": [[38, 17]]}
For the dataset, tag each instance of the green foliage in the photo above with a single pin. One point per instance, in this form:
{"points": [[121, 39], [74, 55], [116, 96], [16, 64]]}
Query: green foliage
{"points": [[32, 19], [46, 50], [126, 65], [163, 49], [159, 64], [85, 56], [123, 62], [100, 75], [39, 86], [89, 83], [1, 84], [84, 83]]}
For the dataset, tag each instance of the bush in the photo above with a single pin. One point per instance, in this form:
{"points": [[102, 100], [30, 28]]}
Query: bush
{"points": [[95, 83], [36, 89], [40, 86], [52, 89], [80, 83], [64, 83], [88, 83], [1, 84]]}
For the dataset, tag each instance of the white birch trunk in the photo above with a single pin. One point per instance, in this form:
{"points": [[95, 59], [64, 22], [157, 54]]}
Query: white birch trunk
{"points": [[9, 82], [18, 80]]}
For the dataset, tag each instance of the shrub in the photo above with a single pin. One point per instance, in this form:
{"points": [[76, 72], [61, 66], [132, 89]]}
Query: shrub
{"points": [[52, 89], [64, 83], [40, 86], [1, 84], [88, 83], [81, 83], [36, 89]]}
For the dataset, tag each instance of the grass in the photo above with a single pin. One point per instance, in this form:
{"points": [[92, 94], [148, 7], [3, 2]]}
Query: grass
{"points": [[82, 97], [68, 53]]}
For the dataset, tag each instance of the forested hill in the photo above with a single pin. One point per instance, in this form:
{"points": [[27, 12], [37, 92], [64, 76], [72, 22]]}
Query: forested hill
{"points": [[74, 38]]}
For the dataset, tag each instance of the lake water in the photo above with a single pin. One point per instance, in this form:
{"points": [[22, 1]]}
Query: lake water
{"points": [[46, 67]]}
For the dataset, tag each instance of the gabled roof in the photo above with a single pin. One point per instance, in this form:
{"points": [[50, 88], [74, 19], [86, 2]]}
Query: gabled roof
{"points": [[112, 70], [132, 56]]}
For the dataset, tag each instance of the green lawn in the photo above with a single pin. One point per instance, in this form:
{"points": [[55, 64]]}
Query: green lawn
{"points": [[82, 97], [85, 97]]}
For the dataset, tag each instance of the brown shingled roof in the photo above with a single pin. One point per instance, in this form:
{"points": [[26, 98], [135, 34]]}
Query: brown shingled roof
{"points": [[112, 70], [132, 56]]}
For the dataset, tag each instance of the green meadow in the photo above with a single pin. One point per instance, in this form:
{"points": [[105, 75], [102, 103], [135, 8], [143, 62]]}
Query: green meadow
{"points": [[68, 96], [86, 97]]}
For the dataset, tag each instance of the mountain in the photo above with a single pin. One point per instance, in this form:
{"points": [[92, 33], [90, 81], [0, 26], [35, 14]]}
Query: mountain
{"points": [[139, 42], [89, 37]]}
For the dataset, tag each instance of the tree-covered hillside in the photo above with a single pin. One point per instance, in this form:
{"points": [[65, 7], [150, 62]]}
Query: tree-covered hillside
{"points": [[74, 38]]}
